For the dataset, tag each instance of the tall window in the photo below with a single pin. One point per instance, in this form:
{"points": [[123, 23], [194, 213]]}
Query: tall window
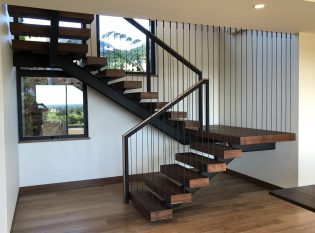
{"points": [[123, 44], [52, 107]]}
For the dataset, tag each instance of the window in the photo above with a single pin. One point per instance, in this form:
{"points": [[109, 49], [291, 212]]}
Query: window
{"points": [[123, 44], [51, 108], [46, 23]]}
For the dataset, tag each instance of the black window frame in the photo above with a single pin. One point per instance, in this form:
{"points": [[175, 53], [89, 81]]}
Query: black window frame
{"points": [[152, 47], [20, 73]]}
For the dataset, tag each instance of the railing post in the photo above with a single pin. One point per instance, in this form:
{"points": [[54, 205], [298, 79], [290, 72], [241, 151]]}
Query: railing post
{"points": [[207, 105], [148, 64], [125, 158], [200, 102]]}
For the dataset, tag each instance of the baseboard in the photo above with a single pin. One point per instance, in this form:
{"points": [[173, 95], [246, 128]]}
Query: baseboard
{"points": [[253, 180], [70, 185]]}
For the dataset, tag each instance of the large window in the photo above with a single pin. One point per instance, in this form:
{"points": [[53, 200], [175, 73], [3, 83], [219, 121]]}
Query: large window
{"points": [[52, 107], [123, 44]]}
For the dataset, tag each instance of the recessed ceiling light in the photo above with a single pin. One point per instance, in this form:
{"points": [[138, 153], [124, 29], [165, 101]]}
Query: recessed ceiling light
{"points": [[259, 6]]}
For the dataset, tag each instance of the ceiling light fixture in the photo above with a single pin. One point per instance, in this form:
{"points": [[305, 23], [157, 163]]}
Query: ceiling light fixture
{"points": [[259, 6]]}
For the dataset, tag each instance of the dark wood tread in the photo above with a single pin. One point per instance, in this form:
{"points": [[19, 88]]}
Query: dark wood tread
{"points": [[243, 136], [217, 150], [21, 29], [184, 176], [111, 74], [150, 206], [153, 106], [201, 162], [127, 85], [142, 95], [43, 48], [94, 63], [173, 115], [186, 124], [167, 190], [37, 13]]}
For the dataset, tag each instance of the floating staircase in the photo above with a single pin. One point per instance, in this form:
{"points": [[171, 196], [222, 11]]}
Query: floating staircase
{"points": [[207, 148]]}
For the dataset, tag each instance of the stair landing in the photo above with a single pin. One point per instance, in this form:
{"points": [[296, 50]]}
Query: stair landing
{"points": [[242, 136]]}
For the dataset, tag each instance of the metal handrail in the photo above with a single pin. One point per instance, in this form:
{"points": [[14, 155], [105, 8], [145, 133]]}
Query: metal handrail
{"points": [[161, 43], [146, 122]]}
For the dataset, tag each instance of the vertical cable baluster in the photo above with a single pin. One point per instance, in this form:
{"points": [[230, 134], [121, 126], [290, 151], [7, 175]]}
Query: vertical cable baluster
{"points": [[252, 93], [235, 78], [286, 84], [290, 82], [281, 84], [272, 76], [276, 81], [241, 78], [256, 80]]}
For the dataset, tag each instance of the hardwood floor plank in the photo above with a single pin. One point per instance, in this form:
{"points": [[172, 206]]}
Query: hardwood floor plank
{"points": [[229, 205]]}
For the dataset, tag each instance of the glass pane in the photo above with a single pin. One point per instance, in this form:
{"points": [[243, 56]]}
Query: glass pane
{"points": [[52, 106], [75, 110], [123, 44]]}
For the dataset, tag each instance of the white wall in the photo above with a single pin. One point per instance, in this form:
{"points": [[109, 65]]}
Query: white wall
{"points": [[266, 99], [8, 129], [306, 108]]}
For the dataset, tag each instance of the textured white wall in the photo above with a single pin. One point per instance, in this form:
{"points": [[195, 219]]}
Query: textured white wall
{"points": [[306, 108], [9, 150]]}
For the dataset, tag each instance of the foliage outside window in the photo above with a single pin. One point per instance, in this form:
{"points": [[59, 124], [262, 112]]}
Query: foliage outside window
{"points": [[122, 43], [52, 108]]}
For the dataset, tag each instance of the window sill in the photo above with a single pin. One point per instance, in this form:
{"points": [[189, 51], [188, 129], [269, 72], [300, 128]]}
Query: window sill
{"points": [[53, 140]]}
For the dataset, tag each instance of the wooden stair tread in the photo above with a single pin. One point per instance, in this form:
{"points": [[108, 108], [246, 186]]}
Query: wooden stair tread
{"points": [[21, 29], [94, 63], [153, 106], [111, 74], [201, 162], [167, 190], [186, 124], [150, 206], [173, 115], [217, 150], [127, 85], [142, 95], [243, 136], [43, 48], [185, 176], [37, 13]]}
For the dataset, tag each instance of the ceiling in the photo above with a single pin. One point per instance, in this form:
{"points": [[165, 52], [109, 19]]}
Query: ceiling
{"points": [[279, 15]]}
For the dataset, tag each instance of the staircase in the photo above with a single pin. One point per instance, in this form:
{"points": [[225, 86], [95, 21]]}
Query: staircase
{"points": [[168, 167]]}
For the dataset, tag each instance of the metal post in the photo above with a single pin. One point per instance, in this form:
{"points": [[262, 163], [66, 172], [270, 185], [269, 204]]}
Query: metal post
{"points": [[125, 157], [148, 65], [200, 104], [207, 105]]}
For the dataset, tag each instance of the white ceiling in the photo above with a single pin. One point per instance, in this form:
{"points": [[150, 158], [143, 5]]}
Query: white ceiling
{"points": [[279, 15]]}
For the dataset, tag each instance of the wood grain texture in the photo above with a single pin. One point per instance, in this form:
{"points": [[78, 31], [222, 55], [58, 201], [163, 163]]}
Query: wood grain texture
{"points": [[229, 205], [127, 85], [243, 136], [184, 176], [151, 207], [43, 48], [173, 115], [111, 74], [301, 196], [220, 151], [92, 63], [185, 124], [166, 190], [200, 162], [142, 95]]}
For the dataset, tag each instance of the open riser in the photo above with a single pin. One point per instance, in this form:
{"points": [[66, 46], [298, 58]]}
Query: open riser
{"points": [[181, 143]]}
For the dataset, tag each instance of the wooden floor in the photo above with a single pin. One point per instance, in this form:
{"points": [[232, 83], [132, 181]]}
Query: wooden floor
{"points": [[227, 205], [301, 196]]}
